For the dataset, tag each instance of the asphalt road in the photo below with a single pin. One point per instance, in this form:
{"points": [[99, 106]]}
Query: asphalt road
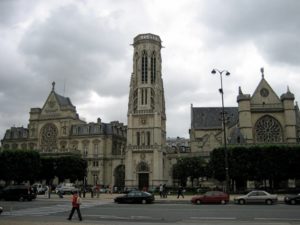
{"points": [[55, 211]]}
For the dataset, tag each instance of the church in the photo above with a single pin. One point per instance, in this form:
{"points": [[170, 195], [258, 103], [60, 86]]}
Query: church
{"points": [[263, 118], [138, 155]]}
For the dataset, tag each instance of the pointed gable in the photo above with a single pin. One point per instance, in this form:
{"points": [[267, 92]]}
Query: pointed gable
{"points": [[57, 105], [264, 94]]}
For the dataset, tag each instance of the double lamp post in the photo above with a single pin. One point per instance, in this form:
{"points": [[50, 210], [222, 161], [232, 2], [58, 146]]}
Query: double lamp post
{"points": [[214, 71]]}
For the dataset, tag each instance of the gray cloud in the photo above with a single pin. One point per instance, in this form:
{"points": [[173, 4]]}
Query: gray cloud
{"points": [[76, 47], [85, 47], [272, 25]]}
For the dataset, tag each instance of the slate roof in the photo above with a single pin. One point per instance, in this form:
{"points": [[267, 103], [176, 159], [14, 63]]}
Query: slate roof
{"points": [[63, 101], [96, 128], [210, 117]]}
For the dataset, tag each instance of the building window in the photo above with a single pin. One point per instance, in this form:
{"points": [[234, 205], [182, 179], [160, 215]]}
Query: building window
{"points": [[95, 164], [144, 96], [268, 130], [153, 68], [96, 150], [49, 135], [148, 138], [138, 138], [144, 67]]}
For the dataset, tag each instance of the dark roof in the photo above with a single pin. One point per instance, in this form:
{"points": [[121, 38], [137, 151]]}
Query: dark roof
{"points": [[63, 101], [210, 117], [96, 128], [16, 133]]}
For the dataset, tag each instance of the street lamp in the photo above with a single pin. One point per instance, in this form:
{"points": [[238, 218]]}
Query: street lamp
{"points": [[214, 71]]}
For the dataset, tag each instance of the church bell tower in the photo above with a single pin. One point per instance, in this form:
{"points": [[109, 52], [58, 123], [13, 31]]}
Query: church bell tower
{"points": [[146, 132]]}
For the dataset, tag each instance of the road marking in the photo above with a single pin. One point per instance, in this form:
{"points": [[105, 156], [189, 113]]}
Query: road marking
{"points": [[278, 219], [213, 218], [48, 210]]}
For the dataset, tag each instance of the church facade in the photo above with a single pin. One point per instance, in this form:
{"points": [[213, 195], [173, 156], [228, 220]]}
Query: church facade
{"points": [[56, 130], [263, 118]]}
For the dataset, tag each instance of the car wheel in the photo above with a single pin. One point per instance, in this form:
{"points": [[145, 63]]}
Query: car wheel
{"points": [[144, 201], [242, 201], [198, 202], [21, 198], [223, 202], [293, 202], [269, 202]]}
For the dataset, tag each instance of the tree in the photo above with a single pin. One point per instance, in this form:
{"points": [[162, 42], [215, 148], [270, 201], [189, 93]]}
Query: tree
{"points": [[70, 167], [19, 165], [193, 167]]}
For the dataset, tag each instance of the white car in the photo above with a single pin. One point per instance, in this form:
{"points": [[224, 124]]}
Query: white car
{"points": [[256, 197], [65, 188]]}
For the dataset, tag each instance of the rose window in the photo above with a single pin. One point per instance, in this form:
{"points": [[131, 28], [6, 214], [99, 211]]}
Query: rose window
{"points": [[49, 137], [268, 130]]}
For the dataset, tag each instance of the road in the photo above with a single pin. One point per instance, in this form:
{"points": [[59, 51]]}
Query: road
{"points": [[55, 211]]}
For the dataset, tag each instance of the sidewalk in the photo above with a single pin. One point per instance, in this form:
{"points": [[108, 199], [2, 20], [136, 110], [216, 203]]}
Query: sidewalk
{"points": [[171, 199], [110, 198]]}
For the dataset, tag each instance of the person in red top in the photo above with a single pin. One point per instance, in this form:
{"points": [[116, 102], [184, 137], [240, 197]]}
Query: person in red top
{"points": [[76, 201]]}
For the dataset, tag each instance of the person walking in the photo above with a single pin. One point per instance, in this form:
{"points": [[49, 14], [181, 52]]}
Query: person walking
{"points": [[161, 190], [180, 192], [76, 201]]}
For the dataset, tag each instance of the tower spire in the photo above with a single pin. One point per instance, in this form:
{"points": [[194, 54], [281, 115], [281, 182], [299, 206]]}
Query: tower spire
{"points": [[262, 73], [53, 86]]}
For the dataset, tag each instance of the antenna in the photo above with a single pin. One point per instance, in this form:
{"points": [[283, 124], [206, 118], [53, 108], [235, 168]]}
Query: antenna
{"points": [[64, 87]]}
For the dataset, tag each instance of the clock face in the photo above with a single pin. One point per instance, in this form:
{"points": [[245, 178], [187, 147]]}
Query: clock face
{"points": [[264, 92]]}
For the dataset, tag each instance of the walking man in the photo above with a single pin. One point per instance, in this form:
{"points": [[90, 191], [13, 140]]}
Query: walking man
{"points": [[76, 201], [180, 192]]}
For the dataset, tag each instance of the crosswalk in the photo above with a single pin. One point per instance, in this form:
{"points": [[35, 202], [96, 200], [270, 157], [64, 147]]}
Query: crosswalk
{"points": [[48, 210]]}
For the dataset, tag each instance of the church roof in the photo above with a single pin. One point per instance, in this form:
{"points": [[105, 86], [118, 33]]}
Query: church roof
{"points": [[63, 101], [210, 117]]}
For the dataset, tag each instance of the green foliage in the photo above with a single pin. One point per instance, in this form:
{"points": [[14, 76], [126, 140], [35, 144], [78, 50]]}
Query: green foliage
{"points": [[19, 165], [27, 165], [193, 167], [274, 163]]}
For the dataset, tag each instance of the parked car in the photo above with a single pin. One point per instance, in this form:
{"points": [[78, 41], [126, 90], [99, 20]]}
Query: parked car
{"points": [[292, 199], [256, 197], [1, 210], [39, 188], [17, 192], [211, 197], [66, 188], [135, 197]]}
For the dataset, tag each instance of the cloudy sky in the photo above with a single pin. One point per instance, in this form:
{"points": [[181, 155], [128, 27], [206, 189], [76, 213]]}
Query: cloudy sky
{"points": [[84, 46]]}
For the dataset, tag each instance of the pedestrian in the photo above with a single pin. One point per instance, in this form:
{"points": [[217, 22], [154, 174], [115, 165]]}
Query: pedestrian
{"points": [[76, 201], [165, 191], [161, 190], [180, 192]]}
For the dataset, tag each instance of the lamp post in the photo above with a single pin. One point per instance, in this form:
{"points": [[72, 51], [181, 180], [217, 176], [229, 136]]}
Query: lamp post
{"points": [[214, 71]]}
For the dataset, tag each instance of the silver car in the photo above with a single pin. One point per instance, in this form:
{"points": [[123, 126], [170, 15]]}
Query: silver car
{"points": [[256, 197]]}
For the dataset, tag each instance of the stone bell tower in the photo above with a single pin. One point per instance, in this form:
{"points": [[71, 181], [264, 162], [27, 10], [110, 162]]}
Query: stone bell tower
{"points": [[146, 132]]}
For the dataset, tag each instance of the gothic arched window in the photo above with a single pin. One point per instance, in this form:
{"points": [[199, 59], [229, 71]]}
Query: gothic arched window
{"points": [[144, 67], [153, 68], [268, 130]]}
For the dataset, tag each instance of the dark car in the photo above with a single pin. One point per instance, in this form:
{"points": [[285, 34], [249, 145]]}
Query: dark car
{"points": [[292, 199], [211, 197], [17, 192], [135, 197], [1, 210]]}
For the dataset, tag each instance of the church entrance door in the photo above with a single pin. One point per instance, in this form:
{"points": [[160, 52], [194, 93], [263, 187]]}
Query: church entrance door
{"points": [[143, 180]]}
